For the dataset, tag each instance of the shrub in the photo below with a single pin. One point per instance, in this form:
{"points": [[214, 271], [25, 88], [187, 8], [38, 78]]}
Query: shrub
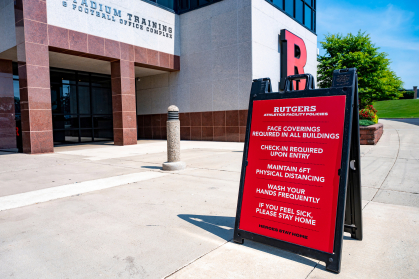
{"points": [[408, 95], [372, 108], [366, 114], [364, 122]]}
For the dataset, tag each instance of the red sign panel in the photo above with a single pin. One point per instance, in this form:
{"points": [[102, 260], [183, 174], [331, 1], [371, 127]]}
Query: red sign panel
{"points": [[292, 182]]}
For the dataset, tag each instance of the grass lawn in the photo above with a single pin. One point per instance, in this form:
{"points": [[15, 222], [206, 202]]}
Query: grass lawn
{"points": [[398, 108]]}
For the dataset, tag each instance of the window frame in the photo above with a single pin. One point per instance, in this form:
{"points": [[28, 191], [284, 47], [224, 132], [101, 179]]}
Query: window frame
{"points": [[311, 4]]}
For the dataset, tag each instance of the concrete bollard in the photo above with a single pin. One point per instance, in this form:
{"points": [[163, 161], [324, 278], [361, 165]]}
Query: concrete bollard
{"points": [[415, 94], [173, 141]]}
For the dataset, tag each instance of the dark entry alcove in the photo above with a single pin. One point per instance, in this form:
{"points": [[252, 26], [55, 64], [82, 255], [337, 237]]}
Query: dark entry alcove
{"points": [[81, 105]]}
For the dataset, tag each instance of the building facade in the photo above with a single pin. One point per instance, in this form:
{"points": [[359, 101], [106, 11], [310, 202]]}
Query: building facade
{"points": [[76, 71]]}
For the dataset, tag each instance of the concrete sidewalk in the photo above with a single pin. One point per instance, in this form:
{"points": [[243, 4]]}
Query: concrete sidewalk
{"points": [[104, 211]]}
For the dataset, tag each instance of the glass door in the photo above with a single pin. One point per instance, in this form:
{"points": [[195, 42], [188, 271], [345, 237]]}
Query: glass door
{"points": [[81, 106]]}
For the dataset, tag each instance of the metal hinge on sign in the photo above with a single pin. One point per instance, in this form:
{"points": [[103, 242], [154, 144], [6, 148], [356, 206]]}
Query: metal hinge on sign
{"points": [[352, 165]]}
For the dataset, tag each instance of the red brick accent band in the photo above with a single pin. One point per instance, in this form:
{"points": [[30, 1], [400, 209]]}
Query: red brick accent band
{"points": [[71, 42], [370, 135], [227, 125]]}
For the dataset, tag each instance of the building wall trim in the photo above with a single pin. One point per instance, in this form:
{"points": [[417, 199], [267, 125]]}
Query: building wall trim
{"points": [[228, 125], [71, 42]]}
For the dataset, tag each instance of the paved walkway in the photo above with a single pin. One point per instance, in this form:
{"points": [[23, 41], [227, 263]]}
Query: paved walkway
{"points": [[93, 211]]}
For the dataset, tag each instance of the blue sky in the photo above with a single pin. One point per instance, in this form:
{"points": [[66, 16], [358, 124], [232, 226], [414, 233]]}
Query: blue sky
{"points": [[392, 25]]}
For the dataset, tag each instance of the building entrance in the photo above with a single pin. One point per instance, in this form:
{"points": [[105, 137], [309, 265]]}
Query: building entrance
{"points": [[81, 106]]}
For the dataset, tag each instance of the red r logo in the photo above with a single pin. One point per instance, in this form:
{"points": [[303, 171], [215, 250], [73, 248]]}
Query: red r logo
{"points": [[293, 58], [17, 131]]}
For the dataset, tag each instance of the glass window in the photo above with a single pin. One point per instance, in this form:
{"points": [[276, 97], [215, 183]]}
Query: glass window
{"points": [[68, 99], [101, 100], [303, 11], [183, 4], [86, 135], [59, 136], [167, 3], [289, 7], [16, 92], [299, 10], [63, 76], [103, 122], [103, 134], [193, 4], [64, 99], [278, 3], [85, 121], [16, 89], [15, 67], [100, 81], [307, 17], [204, 2], [61, 122], [84, 100], [66, 136], [55, 97], [83, 78], [198, 3], [71, 136]]}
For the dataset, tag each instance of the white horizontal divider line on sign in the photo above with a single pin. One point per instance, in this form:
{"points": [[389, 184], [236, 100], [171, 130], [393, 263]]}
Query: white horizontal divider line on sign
{"points": [[33, 197]]}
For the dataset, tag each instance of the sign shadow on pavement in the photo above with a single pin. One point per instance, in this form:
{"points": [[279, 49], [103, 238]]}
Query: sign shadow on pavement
{"points": [[223, 227]]}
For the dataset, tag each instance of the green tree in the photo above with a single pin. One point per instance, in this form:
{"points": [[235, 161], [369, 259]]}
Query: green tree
{"points": [[376, 81]]}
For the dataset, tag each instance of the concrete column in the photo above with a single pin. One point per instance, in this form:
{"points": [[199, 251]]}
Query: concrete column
{"points": [[123, 102], [34, 80], [415, 90], [173, 141], [7, 106]]}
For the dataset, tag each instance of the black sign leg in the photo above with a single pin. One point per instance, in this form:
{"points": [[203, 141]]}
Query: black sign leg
{"points": [[353, 213], [259, 86], [238, 239], [333, 265]]}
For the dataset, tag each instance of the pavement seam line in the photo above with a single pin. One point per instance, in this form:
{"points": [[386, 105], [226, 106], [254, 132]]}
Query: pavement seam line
{"points": [[190, 175], [188, 264], [113, 165], [95, 157], [160, 169], [395, 160], [400, 191], [312, 269]]}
